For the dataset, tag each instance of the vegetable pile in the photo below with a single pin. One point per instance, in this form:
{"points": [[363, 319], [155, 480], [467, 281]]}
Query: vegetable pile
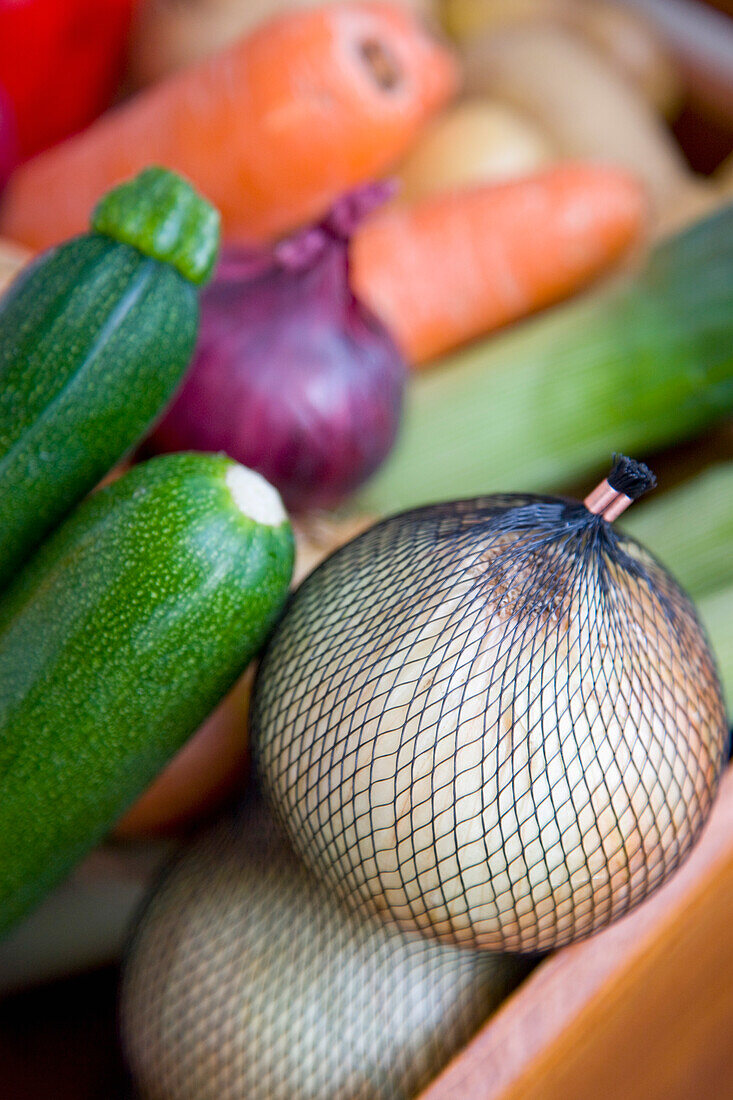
{"points": [[300, 258]]}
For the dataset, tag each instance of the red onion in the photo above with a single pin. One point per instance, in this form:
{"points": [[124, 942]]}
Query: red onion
{"points": [[293, 376]]}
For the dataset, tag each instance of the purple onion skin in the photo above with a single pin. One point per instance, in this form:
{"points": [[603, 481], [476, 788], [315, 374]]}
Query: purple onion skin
{"points": [[292, 376]]}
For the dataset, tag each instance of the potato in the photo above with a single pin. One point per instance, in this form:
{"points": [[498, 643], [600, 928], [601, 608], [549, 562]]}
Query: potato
{"points": [[580, 100], [476, 141], [621, 36]]}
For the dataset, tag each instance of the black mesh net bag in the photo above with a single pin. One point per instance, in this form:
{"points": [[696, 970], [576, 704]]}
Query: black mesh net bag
{"points": [[245, 981], [496, 721]]}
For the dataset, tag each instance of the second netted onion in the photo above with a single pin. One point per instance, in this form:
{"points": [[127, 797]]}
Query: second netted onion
{"points": [[245, 981], [496, 721]]}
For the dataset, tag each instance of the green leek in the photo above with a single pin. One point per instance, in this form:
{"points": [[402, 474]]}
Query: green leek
{"points": [[646, 361], [716, 613], [690, 529]]}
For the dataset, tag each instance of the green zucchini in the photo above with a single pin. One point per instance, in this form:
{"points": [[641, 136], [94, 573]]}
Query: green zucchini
{"points": [[95, 337], [130, 623]]}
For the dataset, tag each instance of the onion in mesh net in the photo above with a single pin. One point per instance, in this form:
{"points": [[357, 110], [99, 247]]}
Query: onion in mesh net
{"points": [[496, 721], [245, 981]]}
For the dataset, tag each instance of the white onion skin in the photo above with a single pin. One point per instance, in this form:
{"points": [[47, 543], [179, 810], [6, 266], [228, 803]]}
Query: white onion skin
{"points": [[245, 981], [488, 780]]}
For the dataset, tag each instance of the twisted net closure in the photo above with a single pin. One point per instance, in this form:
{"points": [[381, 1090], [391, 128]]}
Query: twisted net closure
{"points": [[495, 721], [245, 981]]}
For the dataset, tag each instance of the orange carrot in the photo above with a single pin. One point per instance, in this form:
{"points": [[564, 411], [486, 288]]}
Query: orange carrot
{"points": [[452, 266], [271, 130]]}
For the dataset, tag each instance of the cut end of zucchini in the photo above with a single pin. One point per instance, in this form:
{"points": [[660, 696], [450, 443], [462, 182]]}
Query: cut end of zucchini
{"points": [[255, 497], [161, 215]]}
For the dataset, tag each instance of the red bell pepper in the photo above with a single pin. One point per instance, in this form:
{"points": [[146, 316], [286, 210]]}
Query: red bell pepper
{"points": [[60, 63], [8, 137]]}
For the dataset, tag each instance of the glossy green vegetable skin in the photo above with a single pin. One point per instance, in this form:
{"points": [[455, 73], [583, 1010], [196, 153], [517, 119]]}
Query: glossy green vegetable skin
{"points": [[116, 641], [94, 339], [161, 215]]}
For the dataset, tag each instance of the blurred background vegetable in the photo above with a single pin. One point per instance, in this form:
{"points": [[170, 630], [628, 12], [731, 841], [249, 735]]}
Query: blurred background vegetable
{"points": [[645, 361], [690, 529], [716, 614], [84, 923], [8, 138], [724, 177], [701, 40], [582, 102], [456, 265], [478, 140], [624, 37], [245, 979], [635, 45], [168, 35], [272, 130], [60, 63], [293, 376]]}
